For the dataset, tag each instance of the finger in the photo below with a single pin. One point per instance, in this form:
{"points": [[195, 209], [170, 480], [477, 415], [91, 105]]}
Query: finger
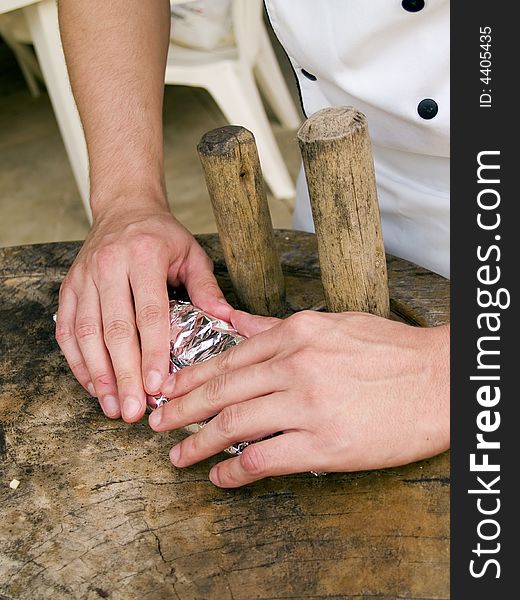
{"points": [[249, 420], [281, 455], [202, 285], [152, 317], [89, 335], [120, 334], [249, 325], [258, 349], [169, 385], [216, 394], [246, 324], [66, 337]]}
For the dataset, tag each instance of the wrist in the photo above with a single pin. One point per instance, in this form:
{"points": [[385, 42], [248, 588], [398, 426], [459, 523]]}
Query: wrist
{"points": [[135, 198], [440, 403]]}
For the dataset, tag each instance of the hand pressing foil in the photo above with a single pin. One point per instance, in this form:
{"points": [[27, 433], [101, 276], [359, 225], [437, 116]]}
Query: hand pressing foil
{"points": [[195, 337]]}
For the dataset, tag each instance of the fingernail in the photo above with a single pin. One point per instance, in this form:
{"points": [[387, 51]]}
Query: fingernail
{"points": [[214, 476], [175, 454], [110, 406], [169, 386], [153, 382], [91, 389], [154, 420], [131, 407]]}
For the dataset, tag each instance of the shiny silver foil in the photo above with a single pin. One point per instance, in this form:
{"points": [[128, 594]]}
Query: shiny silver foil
{"points": [[195, 337]]}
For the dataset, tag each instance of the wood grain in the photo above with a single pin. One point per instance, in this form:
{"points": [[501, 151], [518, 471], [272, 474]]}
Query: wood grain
{"points": [[339, 167], [237, 192], [101, 513]]}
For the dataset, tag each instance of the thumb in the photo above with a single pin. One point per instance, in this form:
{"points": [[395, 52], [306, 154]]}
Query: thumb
{"points": [[205, 293], [249, 325], [203, 288]]}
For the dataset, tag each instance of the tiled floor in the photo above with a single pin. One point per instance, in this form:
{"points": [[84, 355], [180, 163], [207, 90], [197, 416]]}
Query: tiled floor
{"points": [[39, 201]]}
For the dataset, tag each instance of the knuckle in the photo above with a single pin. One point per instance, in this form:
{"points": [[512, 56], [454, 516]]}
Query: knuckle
{"points": [[198, 255], [253, 461], [126, 380], [179, 405], [141, 243], [287, 366], [149, 315], [213, 391], [305, 357], [301, 323], [79, 369], [63, 333], [65, 289], [86, 330], [209, 263], [104, 380], [191, 446], [226, 423], [119, 330], [75, 365], [226, 477], [105, 257], [224, 361]]}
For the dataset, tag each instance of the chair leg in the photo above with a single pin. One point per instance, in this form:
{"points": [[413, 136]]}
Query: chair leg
{"points": [[30, 68], [272, 83], [23, 57], [235, 92], [42, 19]]}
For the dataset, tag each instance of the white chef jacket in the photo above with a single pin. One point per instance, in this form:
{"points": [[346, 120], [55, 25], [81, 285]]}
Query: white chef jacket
{"points": [[383, 57]]}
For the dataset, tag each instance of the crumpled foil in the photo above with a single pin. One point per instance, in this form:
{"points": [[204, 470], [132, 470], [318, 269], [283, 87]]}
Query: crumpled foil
{"points": [[195, 337]]}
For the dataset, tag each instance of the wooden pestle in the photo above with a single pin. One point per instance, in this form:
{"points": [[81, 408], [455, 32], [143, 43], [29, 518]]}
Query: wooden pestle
{"points": [[337, 156], [236, 187]]}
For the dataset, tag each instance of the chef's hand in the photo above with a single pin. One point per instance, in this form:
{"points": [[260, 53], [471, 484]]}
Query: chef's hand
{"points": [[113, 317], [349, 392]]}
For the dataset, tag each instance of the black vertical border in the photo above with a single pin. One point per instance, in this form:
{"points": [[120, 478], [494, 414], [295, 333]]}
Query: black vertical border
{"points": [[475, 129]]}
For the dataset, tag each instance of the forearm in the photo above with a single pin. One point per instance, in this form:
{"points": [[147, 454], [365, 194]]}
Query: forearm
{"points": [[116, 55]]}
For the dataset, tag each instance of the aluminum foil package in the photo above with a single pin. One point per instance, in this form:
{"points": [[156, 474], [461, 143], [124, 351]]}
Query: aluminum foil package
{"points": [[196, 336]]}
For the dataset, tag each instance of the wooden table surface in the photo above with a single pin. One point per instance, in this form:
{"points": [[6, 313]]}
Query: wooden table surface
{"points": [[101, 513]]}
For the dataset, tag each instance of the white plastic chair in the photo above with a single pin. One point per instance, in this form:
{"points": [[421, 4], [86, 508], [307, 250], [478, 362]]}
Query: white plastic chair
{"points": [[13, 29], [229, 76], [42, 25]]}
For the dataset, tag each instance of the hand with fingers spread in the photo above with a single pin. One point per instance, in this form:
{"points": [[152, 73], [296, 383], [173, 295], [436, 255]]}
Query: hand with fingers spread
{"points": [[346, 391], [113, 316]]}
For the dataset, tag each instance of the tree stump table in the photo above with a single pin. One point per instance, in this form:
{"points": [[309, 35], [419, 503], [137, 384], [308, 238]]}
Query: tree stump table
{"points": [[101, 513]]}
